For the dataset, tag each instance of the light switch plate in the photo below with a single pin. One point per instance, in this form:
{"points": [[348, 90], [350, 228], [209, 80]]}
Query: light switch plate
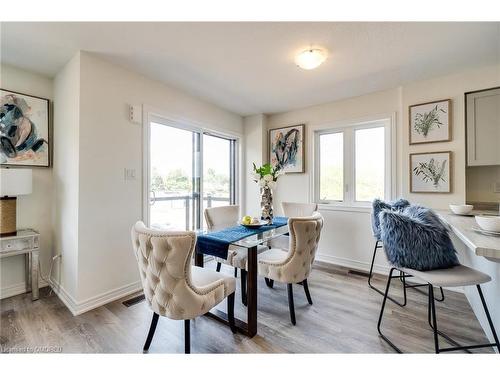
{"points": [[129, 174]]}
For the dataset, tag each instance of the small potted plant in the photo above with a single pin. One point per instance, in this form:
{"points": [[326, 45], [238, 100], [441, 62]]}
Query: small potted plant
{"points": [[266, 176]]}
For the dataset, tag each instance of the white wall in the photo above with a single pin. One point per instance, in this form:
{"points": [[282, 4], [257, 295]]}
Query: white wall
{"points": [[255, 152], [338, 244], [34, 210], [66, 176], [108, 142], [449, 87], [346, 238]]}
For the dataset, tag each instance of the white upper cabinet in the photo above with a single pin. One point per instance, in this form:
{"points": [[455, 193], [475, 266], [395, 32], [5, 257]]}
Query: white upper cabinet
{"points": [[483, 127]]}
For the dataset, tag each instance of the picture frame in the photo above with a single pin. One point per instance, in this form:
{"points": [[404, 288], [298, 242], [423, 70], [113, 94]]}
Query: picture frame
{"points": [[430, 122], [25, 139], [287, 148], [431, 172]]}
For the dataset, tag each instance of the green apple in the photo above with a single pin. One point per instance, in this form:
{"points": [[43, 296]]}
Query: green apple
{"points": [[246, 220]]}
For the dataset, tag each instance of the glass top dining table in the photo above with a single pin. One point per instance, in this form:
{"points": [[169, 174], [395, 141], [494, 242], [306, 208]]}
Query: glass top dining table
{"points": [[248, 327], [253, 240]]}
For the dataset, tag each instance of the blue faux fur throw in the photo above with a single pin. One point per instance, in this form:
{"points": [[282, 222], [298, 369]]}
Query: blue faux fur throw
{"points": [[379, 205], [416, 238]]}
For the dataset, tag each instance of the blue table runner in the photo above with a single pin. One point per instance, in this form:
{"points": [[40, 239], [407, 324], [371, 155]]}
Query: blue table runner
{"points": [[217, 243]]}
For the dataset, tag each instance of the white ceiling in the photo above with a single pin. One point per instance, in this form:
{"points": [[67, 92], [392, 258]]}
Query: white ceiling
{"points": [[248, 67]]}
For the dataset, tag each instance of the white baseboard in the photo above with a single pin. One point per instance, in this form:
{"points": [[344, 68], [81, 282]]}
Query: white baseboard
{"points": [[365, 267], [352, 264], [79, 307], [15, 289]]}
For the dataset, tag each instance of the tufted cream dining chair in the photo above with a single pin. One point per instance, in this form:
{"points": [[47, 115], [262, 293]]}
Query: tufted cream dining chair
{"points": [[172, 286], [292, 209], [294, 265], [223, 217]]}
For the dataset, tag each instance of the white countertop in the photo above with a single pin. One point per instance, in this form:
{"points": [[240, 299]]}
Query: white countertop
{"points": [[481, 244]]}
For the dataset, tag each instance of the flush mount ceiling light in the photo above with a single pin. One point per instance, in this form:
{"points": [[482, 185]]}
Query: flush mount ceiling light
{"points": [[311, 58]]}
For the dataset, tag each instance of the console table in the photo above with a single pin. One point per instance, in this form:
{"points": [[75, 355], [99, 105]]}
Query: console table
{"points": [[25, 241]]}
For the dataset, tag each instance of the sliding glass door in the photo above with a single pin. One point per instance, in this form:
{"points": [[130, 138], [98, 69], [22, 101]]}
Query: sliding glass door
{"points": [[218, 171], [188, 171]]}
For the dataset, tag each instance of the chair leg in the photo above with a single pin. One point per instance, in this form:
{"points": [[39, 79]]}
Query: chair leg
{"points": [[386, 297], [373, 262], [402, 304], [434, 318], [306, 289], [187, 337], [151, 333], [495, 337], [269, 282], [290, 303], [243, 286], [230, 312], [235, 272], [219, 264]]}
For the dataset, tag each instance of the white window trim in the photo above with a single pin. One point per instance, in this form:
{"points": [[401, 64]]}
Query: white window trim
{"points": [[151, 114], [348, 128]]}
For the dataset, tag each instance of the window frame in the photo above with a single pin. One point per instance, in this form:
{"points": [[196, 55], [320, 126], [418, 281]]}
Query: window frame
{"points": [[349, 190], [150, 115]]}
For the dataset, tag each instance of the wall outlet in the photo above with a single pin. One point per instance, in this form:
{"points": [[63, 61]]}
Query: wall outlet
{"points": [[129, 174], [496, 187]]}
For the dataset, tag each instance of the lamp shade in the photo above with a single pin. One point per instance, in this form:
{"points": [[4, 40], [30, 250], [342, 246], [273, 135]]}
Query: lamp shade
{"points": [[14, 182]]}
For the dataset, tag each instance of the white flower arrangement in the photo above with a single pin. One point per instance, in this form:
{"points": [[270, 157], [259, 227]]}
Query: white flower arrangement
{"points": [[266, 176]]}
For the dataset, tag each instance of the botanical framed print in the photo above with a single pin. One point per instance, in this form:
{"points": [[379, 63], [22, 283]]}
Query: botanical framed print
{"points": [[430, 122], [430, 172], [286, 148], [24, 130]]}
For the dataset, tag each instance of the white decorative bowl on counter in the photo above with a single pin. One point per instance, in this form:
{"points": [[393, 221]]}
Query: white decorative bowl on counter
{"points": [[461, 209], [489, 223]]}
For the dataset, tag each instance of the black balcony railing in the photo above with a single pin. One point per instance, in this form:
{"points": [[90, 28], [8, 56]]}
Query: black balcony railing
{"points": [[188, 206]]}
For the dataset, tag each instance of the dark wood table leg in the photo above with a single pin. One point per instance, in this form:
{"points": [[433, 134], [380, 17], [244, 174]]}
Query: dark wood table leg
{"points": [[248, 328], [198, 259], [252, 291]]}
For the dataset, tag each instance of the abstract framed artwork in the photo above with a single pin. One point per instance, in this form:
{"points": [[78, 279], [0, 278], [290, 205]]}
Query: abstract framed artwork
{"points": [[286, 148], [24, 130], [430, 172], [430, 122]]}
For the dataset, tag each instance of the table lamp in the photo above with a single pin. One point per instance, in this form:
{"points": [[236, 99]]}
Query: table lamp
{"points": [[13, 182]]}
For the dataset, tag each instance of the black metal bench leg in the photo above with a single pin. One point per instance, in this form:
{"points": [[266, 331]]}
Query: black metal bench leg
{"points": [[434, 318], [442, 334], [151, 333], [386, 297], [402, 304], [495, 337]]}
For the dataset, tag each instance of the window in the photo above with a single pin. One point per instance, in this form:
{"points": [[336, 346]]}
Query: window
{"points": [[331, 173], [353, 164], [189, 170], [370, 163]]}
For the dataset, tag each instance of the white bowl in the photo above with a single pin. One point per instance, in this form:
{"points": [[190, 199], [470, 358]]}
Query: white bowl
{"points": [[461, 209], [489, 223]]}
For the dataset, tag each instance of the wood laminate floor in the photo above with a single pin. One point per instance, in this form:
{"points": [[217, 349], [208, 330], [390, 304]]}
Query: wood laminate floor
{"points": [[342, 319]]}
